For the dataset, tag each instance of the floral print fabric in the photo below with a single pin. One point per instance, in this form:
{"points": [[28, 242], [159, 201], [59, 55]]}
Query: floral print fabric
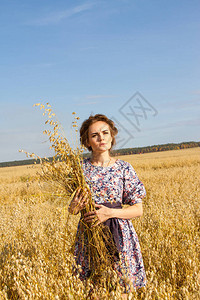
{"points": [[117, 183]]}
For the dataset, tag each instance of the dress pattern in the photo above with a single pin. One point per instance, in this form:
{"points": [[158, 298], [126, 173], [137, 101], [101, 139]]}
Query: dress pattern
{"points": [[117, 183]]}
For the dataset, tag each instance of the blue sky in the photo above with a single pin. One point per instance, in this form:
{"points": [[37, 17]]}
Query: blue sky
{"points": [[93, 57]]}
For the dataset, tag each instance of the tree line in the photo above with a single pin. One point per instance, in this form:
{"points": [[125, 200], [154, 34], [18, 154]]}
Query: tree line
{"points": [[156, 148], [124, 151]]}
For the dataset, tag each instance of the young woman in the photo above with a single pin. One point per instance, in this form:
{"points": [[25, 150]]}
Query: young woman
{"points": [[113, 181]]}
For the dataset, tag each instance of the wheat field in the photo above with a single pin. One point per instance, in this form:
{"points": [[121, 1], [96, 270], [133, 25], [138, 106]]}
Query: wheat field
{"points": [[36, 233]]}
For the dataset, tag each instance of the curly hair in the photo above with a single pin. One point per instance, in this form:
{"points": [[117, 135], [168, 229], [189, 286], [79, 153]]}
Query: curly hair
{"points": [[91, 120]]}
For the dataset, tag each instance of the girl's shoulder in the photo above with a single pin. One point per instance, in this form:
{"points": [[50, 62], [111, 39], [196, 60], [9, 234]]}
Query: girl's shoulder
{"points": [[125, 167], [85, 160], [123, 163]]}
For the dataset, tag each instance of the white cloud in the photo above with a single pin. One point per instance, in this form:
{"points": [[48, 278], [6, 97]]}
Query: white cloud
{"points": [[100, 96], [88, 103], [58, 16], [189, 104], [172, 106], [88, 48], [197, 92], [181, 123], [93, 99]]}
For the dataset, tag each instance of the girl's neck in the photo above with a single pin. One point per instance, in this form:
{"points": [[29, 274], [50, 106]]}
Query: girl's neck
{"points": [[101, 159]]}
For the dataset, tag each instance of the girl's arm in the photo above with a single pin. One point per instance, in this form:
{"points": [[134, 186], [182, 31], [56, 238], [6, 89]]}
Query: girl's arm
{"points": [[130, 212], [104, 213]]}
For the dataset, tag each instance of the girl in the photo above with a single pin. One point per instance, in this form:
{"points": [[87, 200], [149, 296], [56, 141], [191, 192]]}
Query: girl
{"points": [[114, 183]]}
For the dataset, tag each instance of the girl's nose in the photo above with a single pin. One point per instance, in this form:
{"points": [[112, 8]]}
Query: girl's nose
{"points": [[101, 137]]}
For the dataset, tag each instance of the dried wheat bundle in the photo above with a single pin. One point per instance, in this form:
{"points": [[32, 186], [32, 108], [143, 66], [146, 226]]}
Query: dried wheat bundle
{"points": [[65, 176]]}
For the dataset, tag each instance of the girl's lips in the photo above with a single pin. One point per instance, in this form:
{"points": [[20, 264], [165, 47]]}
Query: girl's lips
{"points": [[102, 144]]}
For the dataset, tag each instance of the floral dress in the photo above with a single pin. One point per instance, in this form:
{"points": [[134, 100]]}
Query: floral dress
{"points": [[117, 183]]}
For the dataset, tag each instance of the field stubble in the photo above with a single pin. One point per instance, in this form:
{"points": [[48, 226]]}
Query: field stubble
{"points": [[35, 261]]}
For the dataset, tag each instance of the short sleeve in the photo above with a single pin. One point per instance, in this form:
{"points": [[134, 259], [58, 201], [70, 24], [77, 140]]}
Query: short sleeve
{"points": [[133, 188]]}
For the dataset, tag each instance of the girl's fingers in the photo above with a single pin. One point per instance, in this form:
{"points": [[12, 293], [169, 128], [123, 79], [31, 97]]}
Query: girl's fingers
{"points": [[89, 217], [77, 194], [96, 224], [78, 191], [84, 200], [89, 221], [85, 196], [82, 197], [98, 205], [90, 213]]}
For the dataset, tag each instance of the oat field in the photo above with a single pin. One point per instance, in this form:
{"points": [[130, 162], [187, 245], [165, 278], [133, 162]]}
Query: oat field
{"points": [[36, 234]]}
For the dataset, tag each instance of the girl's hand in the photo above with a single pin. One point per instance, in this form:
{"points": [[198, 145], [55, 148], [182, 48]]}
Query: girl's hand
{"points": [[101, 215], [79, 201]]}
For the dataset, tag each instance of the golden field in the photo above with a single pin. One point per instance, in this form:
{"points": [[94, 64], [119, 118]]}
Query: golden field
{"points": [[35, 262]]}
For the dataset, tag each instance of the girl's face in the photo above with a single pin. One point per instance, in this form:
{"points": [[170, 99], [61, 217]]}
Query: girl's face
{"points": [[99, 137]]}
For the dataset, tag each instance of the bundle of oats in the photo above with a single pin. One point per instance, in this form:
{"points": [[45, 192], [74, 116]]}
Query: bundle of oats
{"points": [[64, 174]]}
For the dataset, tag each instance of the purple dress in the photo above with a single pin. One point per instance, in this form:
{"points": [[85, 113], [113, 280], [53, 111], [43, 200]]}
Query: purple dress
{"points": [[117, 183]]}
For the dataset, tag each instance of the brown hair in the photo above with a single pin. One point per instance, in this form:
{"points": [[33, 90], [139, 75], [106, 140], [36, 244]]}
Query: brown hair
{"points": [[91, 120]]}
